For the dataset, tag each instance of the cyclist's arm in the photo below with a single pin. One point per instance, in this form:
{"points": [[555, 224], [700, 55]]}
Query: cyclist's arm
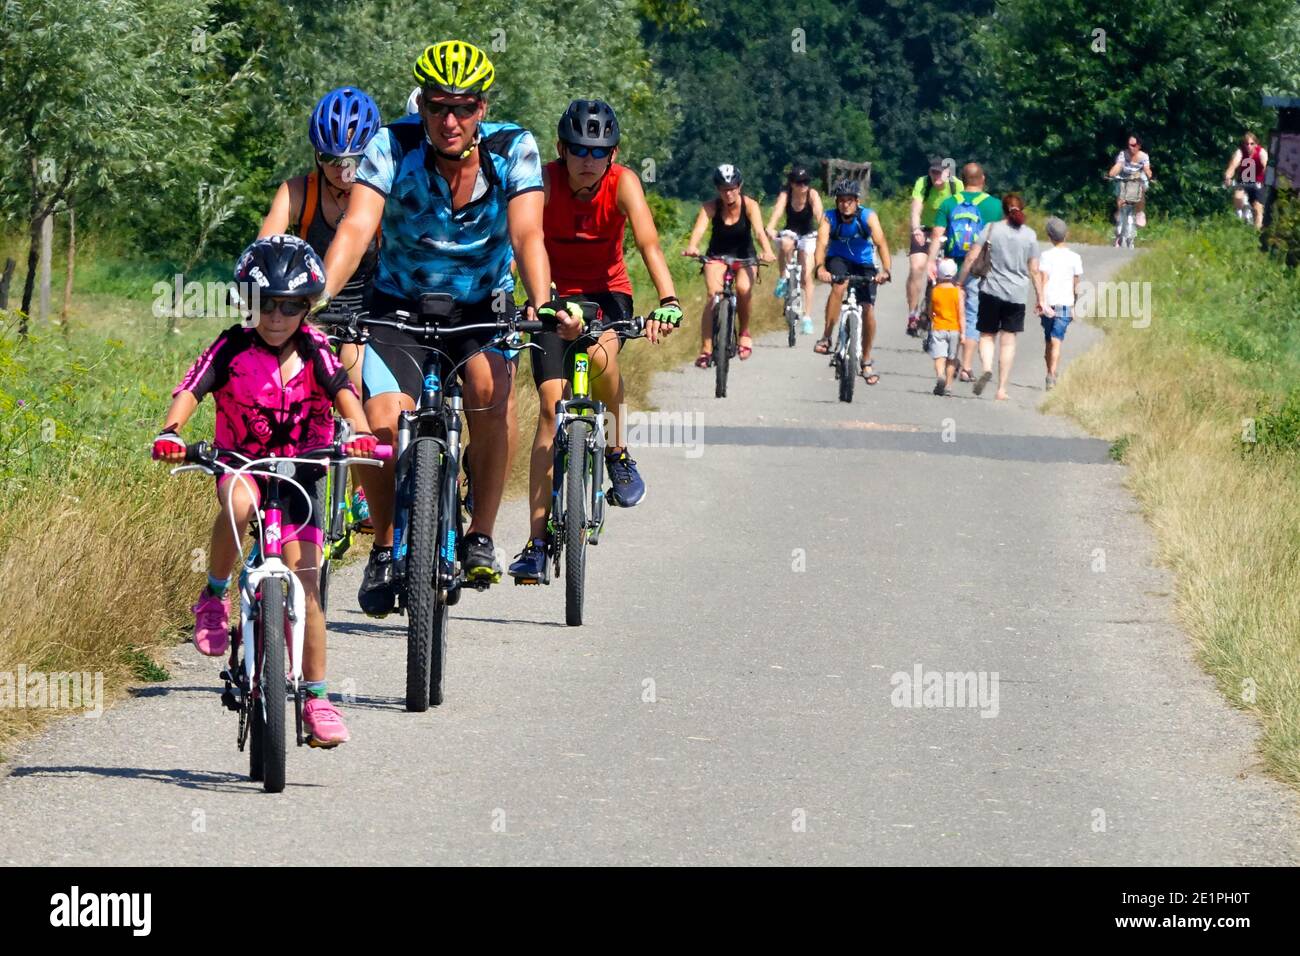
{"points": [[818, 210], [631, 202], [1114, 170], [882, 244], [697, 233], [937, 233], [1231, 169], [277, 220], [918, 205], [524, 217], [180, 411], [755, 213], [349, 407], [1263, 161], [365, 209], [819, 256], [546, 183], [776, 211]]}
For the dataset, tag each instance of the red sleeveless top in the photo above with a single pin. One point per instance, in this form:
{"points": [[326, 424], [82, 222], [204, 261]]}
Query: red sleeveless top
{"points": [[584, 239]]}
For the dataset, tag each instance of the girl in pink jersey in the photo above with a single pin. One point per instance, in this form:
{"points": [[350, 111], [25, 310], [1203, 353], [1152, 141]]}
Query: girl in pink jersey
{"points": [[275, 386]]}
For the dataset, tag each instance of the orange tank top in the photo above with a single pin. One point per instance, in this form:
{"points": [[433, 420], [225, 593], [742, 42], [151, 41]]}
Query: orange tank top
{"points": [[946, 308], [584, 238]]}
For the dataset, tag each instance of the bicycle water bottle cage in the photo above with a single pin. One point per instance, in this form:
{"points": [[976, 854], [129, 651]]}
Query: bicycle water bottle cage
{"points": [[436, 305]]}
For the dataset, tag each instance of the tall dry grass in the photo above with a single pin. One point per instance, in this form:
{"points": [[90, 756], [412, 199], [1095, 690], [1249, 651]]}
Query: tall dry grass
{"points": [[1227, 523]]}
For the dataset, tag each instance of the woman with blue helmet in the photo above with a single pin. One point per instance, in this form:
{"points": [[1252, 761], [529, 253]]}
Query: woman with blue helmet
{"points": [[342, 124], [313, 205]]}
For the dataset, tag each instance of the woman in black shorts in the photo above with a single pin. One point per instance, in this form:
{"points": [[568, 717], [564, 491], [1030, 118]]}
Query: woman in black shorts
{"points": [[1013, 267]]}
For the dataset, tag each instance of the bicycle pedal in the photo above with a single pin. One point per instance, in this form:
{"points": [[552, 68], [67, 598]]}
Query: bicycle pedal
{"points": [[320, 745], [528, 581]]}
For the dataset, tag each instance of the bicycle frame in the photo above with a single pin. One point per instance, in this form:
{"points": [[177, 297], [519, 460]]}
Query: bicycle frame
{"points": [[580, 404]]}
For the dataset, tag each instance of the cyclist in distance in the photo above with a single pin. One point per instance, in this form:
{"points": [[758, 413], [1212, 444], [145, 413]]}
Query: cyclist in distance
{"points": [[276, 386], [459, 198], [928, 193], [590, 199], [802, 206], [1132, 161], [1247, 166], [736, 219], [847, 244]]}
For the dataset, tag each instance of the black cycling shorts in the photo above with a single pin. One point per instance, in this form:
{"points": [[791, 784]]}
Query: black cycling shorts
{"points": [[843, 267], [556, 358], [395, 359], [999, 315]]}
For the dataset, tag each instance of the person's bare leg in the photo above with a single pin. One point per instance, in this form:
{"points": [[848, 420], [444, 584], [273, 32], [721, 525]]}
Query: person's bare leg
{"points": [[1258, 209], [1006, 357], [833, 300], [1053, 356], [951, 373], [486, 385], [806, 259], [223, 550], [868, 332], [542, 462], [986, 352], [607, 383], [713, 275], [382, 412], [915, 281], [744, 301], [304, 557]]}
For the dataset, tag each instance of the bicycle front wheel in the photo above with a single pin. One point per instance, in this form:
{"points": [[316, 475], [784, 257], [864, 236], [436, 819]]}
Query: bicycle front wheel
{"points": [[576, 477], [424, 607], [269, 708], [721, 346]]}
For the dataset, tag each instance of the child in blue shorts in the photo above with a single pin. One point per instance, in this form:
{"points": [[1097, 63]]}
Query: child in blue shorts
{"points": [[1062, 268]]}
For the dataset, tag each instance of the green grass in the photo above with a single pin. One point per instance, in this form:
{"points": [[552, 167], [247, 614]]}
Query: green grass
{"points": [[1180, 400]]}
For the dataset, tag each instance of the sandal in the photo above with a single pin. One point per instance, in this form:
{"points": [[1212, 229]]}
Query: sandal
{"points": [[964, 375], [823, 346], [871, 378], [704, 360], [745, 351]]}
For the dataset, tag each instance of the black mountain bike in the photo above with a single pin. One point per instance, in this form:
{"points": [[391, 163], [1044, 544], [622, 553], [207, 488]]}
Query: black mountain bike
{"points": [[577, 514], [725, 340], [427, 521]]}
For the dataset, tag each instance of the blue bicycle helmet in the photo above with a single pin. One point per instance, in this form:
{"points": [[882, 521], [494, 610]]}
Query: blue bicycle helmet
{"points": [[343, 122]]}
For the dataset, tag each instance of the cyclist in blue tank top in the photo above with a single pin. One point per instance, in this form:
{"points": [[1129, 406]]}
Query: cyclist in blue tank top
{"points": [[460, 199], [848, 242]]}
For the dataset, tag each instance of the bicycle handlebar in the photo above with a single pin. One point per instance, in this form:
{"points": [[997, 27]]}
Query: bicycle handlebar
{"points": [[208, 456]]}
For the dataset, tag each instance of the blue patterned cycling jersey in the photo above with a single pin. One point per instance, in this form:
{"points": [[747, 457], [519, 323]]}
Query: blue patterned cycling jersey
{"points": [[426, 246]]}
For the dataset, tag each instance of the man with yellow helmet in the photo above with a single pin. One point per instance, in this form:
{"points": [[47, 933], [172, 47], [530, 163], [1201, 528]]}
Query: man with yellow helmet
{"points": [[460, 199]]}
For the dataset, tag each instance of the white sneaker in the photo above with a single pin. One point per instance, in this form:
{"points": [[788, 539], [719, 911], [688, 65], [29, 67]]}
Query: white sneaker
{"points": [[806, 326]]}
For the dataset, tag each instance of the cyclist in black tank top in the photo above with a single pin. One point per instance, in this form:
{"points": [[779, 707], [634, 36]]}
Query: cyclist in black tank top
{"points": [[341, 126], [799, 234], [734, 240]]}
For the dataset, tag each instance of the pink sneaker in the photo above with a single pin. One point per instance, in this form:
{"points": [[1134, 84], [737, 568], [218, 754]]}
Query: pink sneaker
{"points": [[211, 625], [324, 723]]}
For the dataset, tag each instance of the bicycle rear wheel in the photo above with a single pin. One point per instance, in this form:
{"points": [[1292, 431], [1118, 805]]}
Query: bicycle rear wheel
{"points": [[575, 522], [269, 708], [425, 610], [721, 346]]}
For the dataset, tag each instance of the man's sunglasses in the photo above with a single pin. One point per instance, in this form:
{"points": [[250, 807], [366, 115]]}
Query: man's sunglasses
{"points": [[460, 110], [595, 152], [288, 307]]}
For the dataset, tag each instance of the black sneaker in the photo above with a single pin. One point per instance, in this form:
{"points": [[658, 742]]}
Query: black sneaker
{"points": [[479, 559], [628, 488], [378, 596], [530, 563]]}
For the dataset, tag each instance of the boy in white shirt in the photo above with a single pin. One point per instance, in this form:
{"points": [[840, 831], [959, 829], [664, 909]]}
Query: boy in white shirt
{"points": [[1062, 268]]}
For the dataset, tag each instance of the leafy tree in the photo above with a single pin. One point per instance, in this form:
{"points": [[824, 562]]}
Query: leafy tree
{"points": [[95, 95], [1064, 83]]}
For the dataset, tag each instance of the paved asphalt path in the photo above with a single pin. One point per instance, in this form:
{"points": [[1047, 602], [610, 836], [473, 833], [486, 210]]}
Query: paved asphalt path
{"points": [[729, 700]]}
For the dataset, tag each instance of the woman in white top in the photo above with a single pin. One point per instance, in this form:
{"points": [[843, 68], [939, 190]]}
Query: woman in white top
{"points": [[1129, 162]]}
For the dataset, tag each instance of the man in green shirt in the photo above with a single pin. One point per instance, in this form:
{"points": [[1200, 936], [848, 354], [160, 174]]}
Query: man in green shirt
{"points": [[957, 225], [928, 195]]}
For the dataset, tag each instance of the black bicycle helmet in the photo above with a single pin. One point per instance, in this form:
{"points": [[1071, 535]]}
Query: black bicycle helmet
{"points": [[589, 123], [799, 174], [847, 187], [727, 175], [282, 266]]}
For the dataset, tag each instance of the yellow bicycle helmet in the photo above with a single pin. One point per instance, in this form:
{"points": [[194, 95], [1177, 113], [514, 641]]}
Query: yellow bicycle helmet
{"points": [[455, 67]]}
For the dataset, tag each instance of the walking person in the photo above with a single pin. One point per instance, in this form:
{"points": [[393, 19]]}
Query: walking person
{"points": [[1012, 268], [1062, 268]]}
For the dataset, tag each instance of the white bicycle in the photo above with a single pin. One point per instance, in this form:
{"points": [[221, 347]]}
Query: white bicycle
{"points": [[1131, 190], [846, 357], [793, 295]]}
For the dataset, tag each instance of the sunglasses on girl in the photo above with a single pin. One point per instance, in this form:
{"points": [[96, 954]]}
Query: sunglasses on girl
{"points": [[460, 110], [595, 152], [287, 307], [329, 159]]}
